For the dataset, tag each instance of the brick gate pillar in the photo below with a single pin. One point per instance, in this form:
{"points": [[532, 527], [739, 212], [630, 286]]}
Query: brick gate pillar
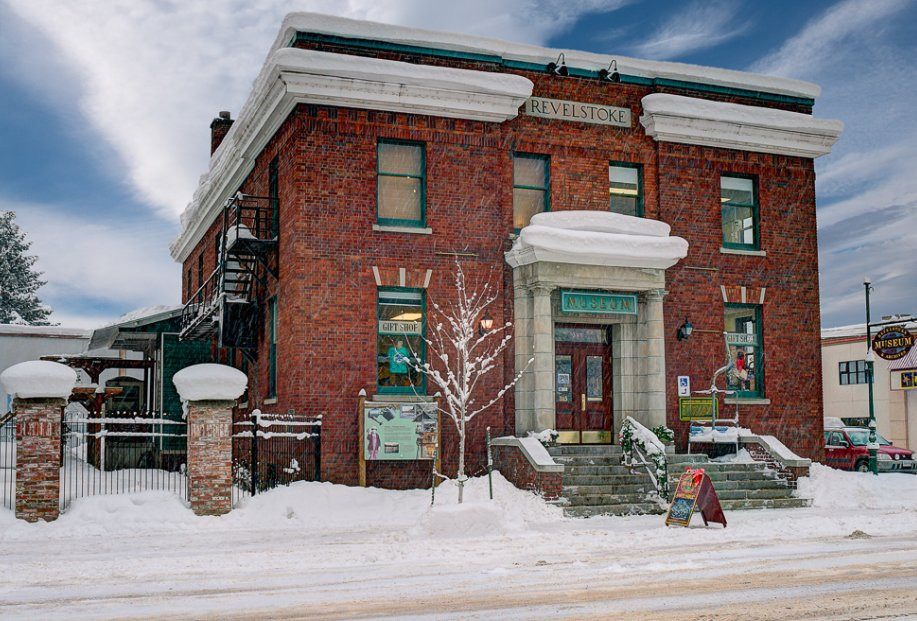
{"points": [[40, 390], [210, 392]]}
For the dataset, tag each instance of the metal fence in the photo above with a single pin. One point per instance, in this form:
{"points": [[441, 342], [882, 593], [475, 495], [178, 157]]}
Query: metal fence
{"points": [[121, 453], [8, 461], [286, 448]]}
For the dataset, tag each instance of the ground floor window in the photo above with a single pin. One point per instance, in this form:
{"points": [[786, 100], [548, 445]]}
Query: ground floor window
{"points": [[272, 352], [743, 337], [399, 341], [852, 372]]}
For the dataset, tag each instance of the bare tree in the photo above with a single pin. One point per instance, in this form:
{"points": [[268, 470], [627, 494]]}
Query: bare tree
{"points": [[462, 355]]}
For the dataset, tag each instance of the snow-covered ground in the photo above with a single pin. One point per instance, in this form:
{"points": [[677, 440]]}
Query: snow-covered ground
{"points": [[316, 550]]}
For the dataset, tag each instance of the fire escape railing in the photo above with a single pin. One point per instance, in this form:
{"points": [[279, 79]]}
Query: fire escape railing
{"points": [[225, 304]]}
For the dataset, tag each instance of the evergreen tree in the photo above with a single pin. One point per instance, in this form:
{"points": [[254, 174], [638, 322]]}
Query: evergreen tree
{"points": [[19, 283]]}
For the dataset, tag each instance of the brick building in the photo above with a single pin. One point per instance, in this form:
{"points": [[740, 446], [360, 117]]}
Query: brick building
{"points": [[370, 158]]}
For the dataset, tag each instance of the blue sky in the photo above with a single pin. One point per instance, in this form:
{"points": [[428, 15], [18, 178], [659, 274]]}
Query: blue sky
{"points": [[106, 106]]}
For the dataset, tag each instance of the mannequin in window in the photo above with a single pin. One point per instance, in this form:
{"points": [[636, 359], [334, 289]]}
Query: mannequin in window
{"points": [[398, 361], [741, 371]]}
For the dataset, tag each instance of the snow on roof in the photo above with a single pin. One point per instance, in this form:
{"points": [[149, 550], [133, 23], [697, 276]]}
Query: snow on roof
{"points": [[388, 33], [38, 379], [597, 238], [857, 329], [690, 120], [908, 362], [147, 314], [54, 331], [206, 382]]}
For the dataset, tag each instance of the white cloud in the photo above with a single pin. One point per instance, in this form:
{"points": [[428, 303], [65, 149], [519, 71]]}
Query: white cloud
{"points": [[117, 265], [817, 43], [153, 74], [699, 25]]}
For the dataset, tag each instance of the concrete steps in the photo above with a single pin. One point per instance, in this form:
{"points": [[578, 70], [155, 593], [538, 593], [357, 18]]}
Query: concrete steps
{"points": [[595, 483]]}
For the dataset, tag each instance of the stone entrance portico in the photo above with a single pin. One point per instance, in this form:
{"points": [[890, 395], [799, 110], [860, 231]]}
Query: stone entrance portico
{"points": [[605, 253]]}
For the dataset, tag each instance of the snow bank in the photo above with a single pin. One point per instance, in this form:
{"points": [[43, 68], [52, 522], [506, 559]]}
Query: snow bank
{"points": [[210, 382], [38, 379], [838, 489], [597, 238]]}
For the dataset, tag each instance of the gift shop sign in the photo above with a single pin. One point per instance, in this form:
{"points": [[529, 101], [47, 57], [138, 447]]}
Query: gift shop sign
{"points": [[577, 111], [892, 342]]}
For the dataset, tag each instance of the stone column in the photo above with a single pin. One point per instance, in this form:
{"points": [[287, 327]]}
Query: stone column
{"points": [[652, 361], [522, 335], [39, 390], [211, 391], [543, 367]]}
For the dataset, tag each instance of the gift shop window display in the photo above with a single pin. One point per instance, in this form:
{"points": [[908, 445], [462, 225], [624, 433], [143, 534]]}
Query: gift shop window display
{"points": [[743, 336], [399, 341]]}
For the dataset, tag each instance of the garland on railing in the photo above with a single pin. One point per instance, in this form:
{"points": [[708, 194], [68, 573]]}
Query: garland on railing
{"points": [[652, 445]]}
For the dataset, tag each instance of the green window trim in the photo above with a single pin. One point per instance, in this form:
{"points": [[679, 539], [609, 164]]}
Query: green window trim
{"points": [[639, 167], [404, 390], [546, 188], [760, 366], [756, 213], [272, 350], [421, 222]]}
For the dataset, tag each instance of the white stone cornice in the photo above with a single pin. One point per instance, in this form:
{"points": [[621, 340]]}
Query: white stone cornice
{"points": [[293, 76], [688, 120]]}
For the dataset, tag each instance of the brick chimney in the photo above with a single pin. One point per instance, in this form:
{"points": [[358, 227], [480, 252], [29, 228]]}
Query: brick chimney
{"points": [[218, 129]]}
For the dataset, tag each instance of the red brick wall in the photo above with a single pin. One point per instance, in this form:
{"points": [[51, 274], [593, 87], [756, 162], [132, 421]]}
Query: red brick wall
{"points": [[513, 465], [327, 292]]}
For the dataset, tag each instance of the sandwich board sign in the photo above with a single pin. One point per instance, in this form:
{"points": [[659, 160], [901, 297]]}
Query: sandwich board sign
{"points": [[695, 491]]}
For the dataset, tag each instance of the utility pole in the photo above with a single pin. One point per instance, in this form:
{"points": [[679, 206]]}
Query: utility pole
{"points": [[872, 445]]}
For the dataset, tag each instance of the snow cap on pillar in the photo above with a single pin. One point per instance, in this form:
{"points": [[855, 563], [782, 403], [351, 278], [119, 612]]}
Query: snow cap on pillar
{"points": [[210, 382], [38, 379]]}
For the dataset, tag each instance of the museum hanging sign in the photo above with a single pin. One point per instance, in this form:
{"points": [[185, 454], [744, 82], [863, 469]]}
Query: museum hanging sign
{"points": [[577, 111], [892, 342]]}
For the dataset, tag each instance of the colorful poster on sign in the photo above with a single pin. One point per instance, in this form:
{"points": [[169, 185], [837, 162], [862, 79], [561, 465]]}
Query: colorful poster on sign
{"points": [[683, 502], [399, 431], [904, 380]]}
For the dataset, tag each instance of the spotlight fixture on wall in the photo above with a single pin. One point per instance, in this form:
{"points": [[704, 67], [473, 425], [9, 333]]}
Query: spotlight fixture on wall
{"points": [[487, 323], [611, 73], [559, 67], [685, 330]]}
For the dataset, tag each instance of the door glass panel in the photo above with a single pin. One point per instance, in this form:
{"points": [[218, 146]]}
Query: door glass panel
{"points": [[563, 371], [593, 378], [579, 335]]}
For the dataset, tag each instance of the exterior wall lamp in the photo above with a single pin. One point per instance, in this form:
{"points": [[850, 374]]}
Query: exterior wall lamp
{"points": [[685, 330], [559, 67], [611, 73], [487, 322]]}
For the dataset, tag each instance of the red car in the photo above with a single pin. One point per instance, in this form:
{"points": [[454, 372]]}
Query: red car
{"points": [[845, 448]]}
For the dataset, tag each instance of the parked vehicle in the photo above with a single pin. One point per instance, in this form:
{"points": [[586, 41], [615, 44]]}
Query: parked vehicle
{"points": [[845, 449]]}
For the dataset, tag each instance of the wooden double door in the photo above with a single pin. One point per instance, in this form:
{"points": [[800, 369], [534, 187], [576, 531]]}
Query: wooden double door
{"points": [[582, 385]]}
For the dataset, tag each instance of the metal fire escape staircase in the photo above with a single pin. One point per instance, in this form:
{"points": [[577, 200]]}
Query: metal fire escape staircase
{"points": [[226, 306]]}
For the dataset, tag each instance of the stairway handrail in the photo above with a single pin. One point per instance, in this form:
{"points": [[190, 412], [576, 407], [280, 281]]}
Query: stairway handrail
{"points": [[641, 447]]}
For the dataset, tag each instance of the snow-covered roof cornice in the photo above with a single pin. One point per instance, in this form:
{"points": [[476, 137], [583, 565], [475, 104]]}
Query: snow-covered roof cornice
{"points": [[688, 120], [597, 238], [520, 52], [292, 76]]}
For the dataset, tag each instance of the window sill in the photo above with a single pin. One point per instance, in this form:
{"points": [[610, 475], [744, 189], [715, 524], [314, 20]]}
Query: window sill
{"points": [[747, 253], [386, 228], [270, 401], [746, 401]]}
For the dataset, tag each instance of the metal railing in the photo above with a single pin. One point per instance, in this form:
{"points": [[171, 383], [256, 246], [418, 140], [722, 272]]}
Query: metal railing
{"points": [[270, 450], [121, 453], [643, 449], [8, 461]]}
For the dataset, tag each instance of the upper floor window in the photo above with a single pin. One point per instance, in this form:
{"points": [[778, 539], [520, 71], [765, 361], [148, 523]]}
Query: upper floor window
{"points": [[273, 191], [531, 187], [625, 188], [400, 183], [739, 209], [852, 372]]}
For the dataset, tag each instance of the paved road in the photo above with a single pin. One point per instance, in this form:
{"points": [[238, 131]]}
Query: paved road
{"points": [[591, 574]]}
